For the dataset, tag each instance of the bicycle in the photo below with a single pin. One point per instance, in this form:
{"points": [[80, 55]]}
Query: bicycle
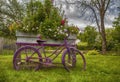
{"points": [[29, 57]]}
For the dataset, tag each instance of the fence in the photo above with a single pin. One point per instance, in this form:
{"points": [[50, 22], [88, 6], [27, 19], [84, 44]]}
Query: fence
{"points": [[7, 46]]}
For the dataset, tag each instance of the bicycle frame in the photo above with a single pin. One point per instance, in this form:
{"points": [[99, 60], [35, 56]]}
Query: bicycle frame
{"points": [[57, 52]]}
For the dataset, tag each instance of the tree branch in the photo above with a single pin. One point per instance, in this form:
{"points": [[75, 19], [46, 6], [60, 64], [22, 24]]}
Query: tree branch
{"points": [[107, 6], [98, 2]]}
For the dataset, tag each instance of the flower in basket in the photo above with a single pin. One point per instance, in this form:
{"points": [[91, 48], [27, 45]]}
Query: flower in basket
{"points": [[14, 26], [63, 22], [53, 30], [43, 19], [73, 30], [34, 16], [51, 27]]}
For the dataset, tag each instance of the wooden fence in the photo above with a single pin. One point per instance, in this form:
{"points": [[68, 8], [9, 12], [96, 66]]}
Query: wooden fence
{"points": [[7, 44]]}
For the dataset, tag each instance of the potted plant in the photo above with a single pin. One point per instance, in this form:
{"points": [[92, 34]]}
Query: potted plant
{"points": [[42, 20], [73, 32]]}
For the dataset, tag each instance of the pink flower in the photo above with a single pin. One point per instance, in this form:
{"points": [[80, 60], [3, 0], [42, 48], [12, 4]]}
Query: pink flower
{"points": [[63, 22]]}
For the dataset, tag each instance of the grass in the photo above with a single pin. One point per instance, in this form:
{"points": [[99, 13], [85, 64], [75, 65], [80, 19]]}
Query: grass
{"points": [[99, 69]]}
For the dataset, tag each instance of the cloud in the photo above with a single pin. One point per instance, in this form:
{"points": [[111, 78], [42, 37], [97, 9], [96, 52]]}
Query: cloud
{"points": [[73, 14]]}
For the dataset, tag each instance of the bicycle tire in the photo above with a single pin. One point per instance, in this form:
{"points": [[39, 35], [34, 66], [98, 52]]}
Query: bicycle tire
{"points": [[27, 57], [73, 52]]}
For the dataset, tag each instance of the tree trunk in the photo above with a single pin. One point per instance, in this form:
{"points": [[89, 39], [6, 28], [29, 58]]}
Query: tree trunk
{"points": [[103, 42], [103, 34]]}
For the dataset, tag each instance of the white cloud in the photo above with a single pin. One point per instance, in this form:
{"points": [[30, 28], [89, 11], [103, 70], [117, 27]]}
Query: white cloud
{"points": [[73, 15]]}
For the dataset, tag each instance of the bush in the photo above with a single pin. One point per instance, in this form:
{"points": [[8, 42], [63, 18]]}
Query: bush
{"points": [[82, 45], [117, 48], [93, 52]]}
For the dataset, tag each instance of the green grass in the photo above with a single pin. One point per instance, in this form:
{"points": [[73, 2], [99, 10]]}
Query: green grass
{"points": [[99, 69]]}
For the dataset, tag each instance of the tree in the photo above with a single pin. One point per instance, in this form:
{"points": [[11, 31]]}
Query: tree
{"points": [[116, 25], [109, 38], [116, 34], [98, 8], [89, 35], [10, 11]]}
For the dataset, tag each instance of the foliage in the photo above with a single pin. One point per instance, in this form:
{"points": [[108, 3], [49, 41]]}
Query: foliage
{"points": [[10, 11], [97, 10], [93, 52], [116, 25], [73, 29], [4, 32], [35, 15], [116, 34], [109, 37], [82, 45], [41, 18], [116, 48], [51, 29], [89, 35], [48, 7]]}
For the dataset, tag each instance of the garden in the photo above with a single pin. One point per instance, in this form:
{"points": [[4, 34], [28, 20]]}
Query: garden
{"points": [[26, 28]]}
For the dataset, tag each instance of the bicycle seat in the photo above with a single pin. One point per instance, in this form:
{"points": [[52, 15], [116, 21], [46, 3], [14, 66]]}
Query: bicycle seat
{"points": [[40, 41]]}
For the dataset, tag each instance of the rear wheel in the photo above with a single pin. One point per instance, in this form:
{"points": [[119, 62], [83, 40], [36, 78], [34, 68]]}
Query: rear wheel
{"points": [[73, 58], [27, 57]]}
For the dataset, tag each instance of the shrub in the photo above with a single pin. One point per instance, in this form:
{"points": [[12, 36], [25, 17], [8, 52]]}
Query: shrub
{"points": [[82, 45], [93, 52], [117, 48]]}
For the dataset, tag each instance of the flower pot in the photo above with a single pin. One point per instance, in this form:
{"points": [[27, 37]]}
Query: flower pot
{"points": [[72, 36], [26, 37]]}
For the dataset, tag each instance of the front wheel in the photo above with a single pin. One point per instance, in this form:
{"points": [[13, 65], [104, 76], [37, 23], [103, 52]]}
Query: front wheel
{"points": [[73, 58], [27, 57]]}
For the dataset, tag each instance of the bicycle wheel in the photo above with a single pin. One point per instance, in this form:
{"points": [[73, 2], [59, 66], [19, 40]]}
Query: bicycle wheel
{"points": [[70, 59], [27, 57]]}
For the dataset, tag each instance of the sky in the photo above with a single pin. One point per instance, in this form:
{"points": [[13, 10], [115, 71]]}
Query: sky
{"points": [[74, 18]]}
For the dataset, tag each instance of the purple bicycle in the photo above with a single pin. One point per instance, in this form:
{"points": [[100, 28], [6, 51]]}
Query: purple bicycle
{"points": [[30, 57]]}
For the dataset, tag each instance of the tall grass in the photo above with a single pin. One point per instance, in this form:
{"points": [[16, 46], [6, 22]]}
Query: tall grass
{"points": [[99, 69]]}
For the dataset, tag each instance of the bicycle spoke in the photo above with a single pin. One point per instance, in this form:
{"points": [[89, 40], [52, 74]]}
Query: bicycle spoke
{"points": [[27, 57], [69, 59]]}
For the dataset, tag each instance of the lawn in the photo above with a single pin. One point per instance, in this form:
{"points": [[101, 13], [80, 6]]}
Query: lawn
{"points": [[99, 69]]}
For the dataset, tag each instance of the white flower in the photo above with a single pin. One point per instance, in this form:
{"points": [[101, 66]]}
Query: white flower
{"points": [[50, 29], [23, 27], [66, 34], [60, 31], [33, 29], [65, 30], [54, 35], [58, 27], [36, 27]]}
